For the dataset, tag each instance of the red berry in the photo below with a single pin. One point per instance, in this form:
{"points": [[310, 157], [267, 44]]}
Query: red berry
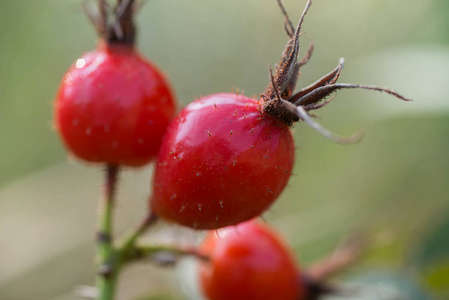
{"points": [[221, 162], [249, 261], [113, 107], [227, 157]]}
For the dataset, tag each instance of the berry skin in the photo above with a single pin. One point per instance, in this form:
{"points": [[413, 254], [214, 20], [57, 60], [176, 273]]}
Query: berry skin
{"points": [[222, 161], [248, 261], [113, 107]]}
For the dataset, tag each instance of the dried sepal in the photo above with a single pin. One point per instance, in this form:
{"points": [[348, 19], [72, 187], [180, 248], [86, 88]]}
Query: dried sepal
{"points": [[114, 25], [327, 79], [123, 28], [97, 15], [355, 138], [283, 109], [308, 55], [315, 106], [279, 99], [288, 25], [322, 92], [287, 68]]}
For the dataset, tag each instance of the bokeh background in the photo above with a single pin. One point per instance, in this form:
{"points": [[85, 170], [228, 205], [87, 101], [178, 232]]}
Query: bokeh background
{"points": [[393, 187]]}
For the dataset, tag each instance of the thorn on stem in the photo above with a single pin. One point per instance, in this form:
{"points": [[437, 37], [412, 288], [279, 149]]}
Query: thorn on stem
{"points": [[103, 237], [105, 270]]}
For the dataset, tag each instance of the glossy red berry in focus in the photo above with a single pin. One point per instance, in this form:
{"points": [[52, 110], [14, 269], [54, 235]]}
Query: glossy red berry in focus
{"points": [[248, 261], [221, 162], [113, 107]]}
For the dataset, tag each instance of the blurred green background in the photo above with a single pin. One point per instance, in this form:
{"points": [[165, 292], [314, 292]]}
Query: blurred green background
{"points": [[393, 186]]}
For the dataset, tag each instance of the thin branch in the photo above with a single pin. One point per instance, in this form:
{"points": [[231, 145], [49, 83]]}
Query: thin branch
{"points": [[129, 242], [108, 266], [164, 255]]}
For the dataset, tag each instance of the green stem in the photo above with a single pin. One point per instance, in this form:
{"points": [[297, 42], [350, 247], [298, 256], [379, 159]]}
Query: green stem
{"points": [[110, 258], [148, 251], [129, 243], [107, 256]]}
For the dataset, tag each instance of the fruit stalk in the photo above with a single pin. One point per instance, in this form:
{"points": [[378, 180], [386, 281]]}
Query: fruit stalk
{"points": [[112, 258], [129, 243], [107, 256]]}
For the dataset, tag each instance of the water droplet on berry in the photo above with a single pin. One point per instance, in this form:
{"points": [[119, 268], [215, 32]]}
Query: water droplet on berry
{"points": [[106, 128], [140, 141], [75, 122], [88, 131], [199, 207], [182, 208], [173, 196], [221, 204], [68, 80], [80, 63]]}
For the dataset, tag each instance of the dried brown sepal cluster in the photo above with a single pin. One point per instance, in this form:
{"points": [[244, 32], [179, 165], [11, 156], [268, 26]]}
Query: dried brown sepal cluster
{"points": [[114, 24], [286, 71], [279, 99]]}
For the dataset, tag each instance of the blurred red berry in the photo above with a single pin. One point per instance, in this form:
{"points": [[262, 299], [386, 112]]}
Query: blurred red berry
{"points": [[113, 107], [248, 261]]}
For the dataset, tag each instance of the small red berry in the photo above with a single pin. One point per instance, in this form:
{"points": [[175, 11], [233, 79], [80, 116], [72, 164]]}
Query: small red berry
{"points": [[222, 162], [113, 106], [248, 261]]}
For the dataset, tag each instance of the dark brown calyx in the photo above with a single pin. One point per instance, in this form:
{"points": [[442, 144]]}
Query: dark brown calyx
{"points": [[282, 109], [315, 278], [114, 24], [279, 99]]}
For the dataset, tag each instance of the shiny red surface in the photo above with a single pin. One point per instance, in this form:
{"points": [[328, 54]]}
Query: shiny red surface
{"points": [[248, 261], [113, 107], [222, 162]]}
